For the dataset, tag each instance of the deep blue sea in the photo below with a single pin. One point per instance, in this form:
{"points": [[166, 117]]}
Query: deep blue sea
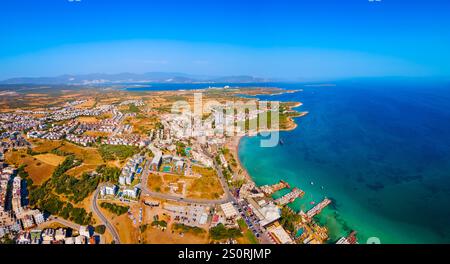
{"points": [[380, 151]]}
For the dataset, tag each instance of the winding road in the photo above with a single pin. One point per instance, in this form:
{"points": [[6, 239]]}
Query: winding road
{"points": [[96, 210]]}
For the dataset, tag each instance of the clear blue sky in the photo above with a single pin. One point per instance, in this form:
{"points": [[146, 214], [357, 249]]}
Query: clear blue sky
{"points": [[302, 39]]}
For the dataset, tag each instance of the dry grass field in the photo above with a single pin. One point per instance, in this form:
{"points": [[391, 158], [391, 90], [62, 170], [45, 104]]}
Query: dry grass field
{"points": [[157, 236], [88, 155], [96, 134], [40, 167], [78, 171], [128, 232], [155, 182], [49, 158], [87, 119], [38, 170], [42, 145], [206, 187], [88, 104]]}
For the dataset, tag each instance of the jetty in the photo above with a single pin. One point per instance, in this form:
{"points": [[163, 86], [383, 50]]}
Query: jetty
{"points": [[270, 189], [290, 197], [351, 239], [318, 208]]}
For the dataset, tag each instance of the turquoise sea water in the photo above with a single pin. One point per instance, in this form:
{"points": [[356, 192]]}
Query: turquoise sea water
{"points": [[380, 152]]}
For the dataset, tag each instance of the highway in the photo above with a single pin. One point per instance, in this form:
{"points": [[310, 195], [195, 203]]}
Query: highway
{"points": [[96, 210]]}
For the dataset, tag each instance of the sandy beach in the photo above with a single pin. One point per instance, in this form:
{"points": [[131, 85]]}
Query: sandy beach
{"points": [[233, 142]]}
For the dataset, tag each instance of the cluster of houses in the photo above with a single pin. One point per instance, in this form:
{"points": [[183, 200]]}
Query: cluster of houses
{"points": [[75, 103], [97, 126], [35, 123], [129, 140], [67, 113], [14, 216], [135, 102], [81, 140], [14, 141], [17, 122], [55, 132], [58, 236]]}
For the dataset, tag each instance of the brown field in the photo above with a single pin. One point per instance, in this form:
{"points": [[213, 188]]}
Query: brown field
{"points": [[154, 182], [53, 225], [96, 134], [87, 119], [35, 95], [42, 145], [78, 171], [105, 116], [49, 158], [206, 187], [143, 123], [157, 236], [160, 182], [88, 155], [153, 235], [88, 104], [39, 171], [129, 234]]}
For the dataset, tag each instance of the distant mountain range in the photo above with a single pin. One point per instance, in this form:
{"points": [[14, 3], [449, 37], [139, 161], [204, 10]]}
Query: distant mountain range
{"points": [[150, 77]]}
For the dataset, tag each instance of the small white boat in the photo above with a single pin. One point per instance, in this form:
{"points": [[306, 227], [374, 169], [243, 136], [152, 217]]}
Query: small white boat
{"points": [[312, 183]]}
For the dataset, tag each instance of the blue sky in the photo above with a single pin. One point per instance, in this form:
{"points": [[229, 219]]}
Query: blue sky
{"points": [[301, 40]]}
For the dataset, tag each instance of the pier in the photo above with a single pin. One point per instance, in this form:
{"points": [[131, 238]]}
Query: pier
{"points": [[270, 189], [290, 197], [318, 208], [351, 239]]}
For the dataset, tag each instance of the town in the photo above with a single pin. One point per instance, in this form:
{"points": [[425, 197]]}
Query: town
{"points": [[178, 175]]}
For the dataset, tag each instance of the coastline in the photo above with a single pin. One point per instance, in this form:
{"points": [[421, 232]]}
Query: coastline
{"points": [[233, 144]]}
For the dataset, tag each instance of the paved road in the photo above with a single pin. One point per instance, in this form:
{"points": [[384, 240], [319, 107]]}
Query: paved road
{"points": [[96, 210], [145, 190]]}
